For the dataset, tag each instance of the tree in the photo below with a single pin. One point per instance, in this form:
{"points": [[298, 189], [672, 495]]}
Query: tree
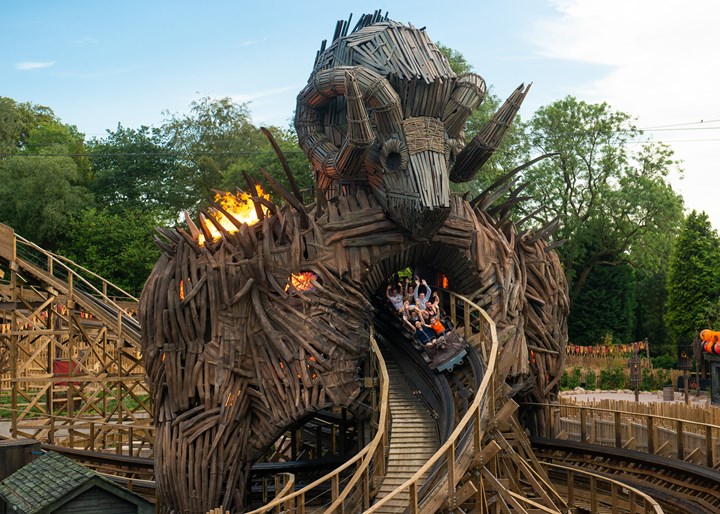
{"points": [[600, 192], [134, 169], [115, 245], [693, 277], [513, 149], [605, 306], [43, 172], [40, 195], [217, 141]]}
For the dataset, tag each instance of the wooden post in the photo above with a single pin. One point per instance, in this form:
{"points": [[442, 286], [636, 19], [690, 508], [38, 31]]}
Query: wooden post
{"points": [[614, 498], [618, 429], [650, 435], [335, 487], [709, 446], [583, 425], [414, 498], [450, 456], [13, 345], [680, 440]]}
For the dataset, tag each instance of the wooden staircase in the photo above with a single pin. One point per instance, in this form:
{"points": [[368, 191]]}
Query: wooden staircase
{"points": [[413, 438]]}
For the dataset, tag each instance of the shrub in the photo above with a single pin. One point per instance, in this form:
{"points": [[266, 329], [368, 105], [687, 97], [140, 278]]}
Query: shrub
{"points": [[665, 361], [591, 380], [613, 378]]}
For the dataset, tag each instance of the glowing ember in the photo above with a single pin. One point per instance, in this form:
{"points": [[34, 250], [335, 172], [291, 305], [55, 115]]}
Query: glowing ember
{"points": [[302, 281], [445, 282], [182, 289], [241, 208]]}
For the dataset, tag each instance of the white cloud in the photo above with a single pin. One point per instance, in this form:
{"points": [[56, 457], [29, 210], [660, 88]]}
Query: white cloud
{"points": [[662, 61], [249, 97], [251, 42], [87, 40], [33, 65]]}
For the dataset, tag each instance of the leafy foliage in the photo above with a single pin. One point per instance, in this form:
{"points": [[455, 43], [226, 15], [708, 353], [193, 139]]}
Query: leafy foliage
{"points": [[135, 169], [216, 142], [693, 277], [114, 245], [604, 306]]}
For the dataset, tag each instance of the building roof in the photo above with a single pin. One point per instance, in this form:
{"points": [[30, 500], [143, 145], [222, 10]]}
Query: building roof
{"points": [[50, 478]]}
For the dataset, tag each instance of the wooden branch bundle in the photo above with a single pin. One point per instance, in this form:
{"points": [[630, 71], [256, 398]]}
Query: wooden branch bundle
{"points": [[236, 350]]}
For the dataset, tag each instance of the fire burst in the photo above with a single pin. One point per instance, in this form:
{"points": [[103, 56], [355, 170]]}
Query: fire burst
{"points": [[240, 207], [302, 281]]}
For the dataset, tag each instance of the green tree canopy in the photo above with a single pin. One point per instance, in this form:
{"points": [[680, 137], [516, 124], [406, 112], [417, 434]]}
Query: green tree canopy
{"points": [[614, 206], [115, 245], [134, 169], [513, 149], [217, 141], [693, 278], [43, 173]]}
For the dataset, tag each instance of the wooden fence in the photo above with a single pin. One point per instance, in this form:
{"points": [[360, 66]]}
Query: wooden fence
{"points": [[658, 429]]}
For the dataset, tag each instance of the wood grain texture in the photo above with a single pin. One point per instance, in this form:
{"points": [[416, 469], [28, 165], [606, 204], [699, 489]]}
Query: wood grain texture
{"points": [[235, 354]]}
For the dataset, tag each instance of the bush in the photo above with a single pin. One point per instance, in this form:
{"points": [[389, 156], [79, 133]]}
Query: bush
{"points": [[665, 361], [564, 379], [653, 380], [591, 380], [570, 380], [613, 378]]}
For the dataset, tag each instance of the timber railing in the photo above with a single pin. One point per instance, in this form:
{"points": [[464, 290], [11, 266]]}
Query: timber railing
{"points": [[598, 493], [353, 481], [101, 297], [690, 441], [454, 457], [75, 374]]}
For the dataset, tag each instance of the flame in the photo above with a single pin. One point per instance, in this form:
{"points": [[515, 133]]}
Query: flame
{"points": [[240, 206], [182, 289], [302, 281], [445, 281]]}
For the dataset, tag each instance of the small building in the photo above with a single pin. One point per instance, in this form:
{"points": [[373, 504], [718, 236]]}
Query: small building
{"points": [[53, 483], [16, 453]]}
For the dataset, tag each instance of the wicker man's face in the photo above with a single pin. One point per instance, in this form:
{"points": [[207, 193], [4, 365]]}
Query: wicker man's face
{"points": [[416, 176]]}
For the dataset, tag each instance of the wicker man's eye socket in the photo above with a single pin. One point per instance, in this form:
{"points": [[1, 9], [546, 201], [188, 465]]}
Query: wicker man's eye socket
{"points": [[394, 155]]}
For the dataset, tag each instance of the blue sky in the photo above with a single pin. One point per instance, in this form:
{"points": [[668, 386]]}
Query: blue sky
{"points": [[97, 64]]}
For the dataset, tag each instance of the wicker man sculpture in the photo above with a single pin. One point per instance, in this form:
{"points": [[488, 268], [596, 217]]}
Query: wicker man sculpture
{"points": [[250, 327]]}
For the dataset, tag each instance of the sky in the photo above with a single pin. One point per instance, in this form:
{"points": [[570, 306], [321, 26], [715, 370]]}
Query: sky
{"points": [[97, 64]]}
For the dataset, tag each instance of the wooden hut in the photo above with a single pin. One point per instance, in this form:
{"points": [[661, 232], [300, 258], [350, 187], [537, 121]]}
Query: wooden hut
{"points": [[53, 483]]}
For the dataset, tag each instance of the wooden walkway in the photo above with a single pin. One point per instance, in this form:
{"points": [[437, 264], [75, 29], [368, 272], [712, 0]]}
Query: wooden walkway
{"points": [[413, 438]]}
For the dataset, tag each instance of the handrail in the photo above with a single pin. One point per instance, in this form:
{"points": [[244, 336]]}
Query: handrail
{"points": [[629, 413], [93, 293], [62, 262], [474, 414], [365, 457], [617, 417], [616, 485], [69, 262]]}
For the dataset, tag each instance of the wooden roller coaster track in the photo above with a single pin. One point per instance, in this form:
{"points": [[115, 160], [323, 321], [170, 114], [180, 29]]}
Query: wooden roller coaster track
{"points": [[55, 308]]}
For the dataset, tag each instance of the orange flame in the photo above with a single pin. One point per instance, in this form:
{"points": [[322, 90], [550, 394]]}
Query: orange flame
{"points": [[240, 207], [182, 289], [302, 281]]}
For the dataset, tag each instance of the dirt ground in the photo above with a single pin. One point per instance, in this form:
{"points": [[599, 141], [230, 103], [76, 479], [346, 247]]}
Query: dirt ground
{"points": [[581, 395]]}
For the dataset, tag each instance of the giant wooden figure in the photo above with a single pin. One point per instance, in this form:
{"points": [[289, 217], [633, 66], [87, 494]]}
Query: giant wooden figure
{"points": [[237, 348]]}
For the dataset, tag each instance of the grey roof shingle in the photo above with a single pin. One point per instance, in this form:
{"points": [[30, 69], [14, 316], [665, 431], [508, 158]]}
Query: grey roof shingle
{"points": [[44, 481]]}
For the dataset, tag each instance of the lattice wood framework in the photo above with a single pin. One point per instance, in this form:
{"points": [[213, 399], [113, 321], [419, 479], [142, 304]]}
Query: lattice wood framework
{"points": [[238, 347], [74, 372]]}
